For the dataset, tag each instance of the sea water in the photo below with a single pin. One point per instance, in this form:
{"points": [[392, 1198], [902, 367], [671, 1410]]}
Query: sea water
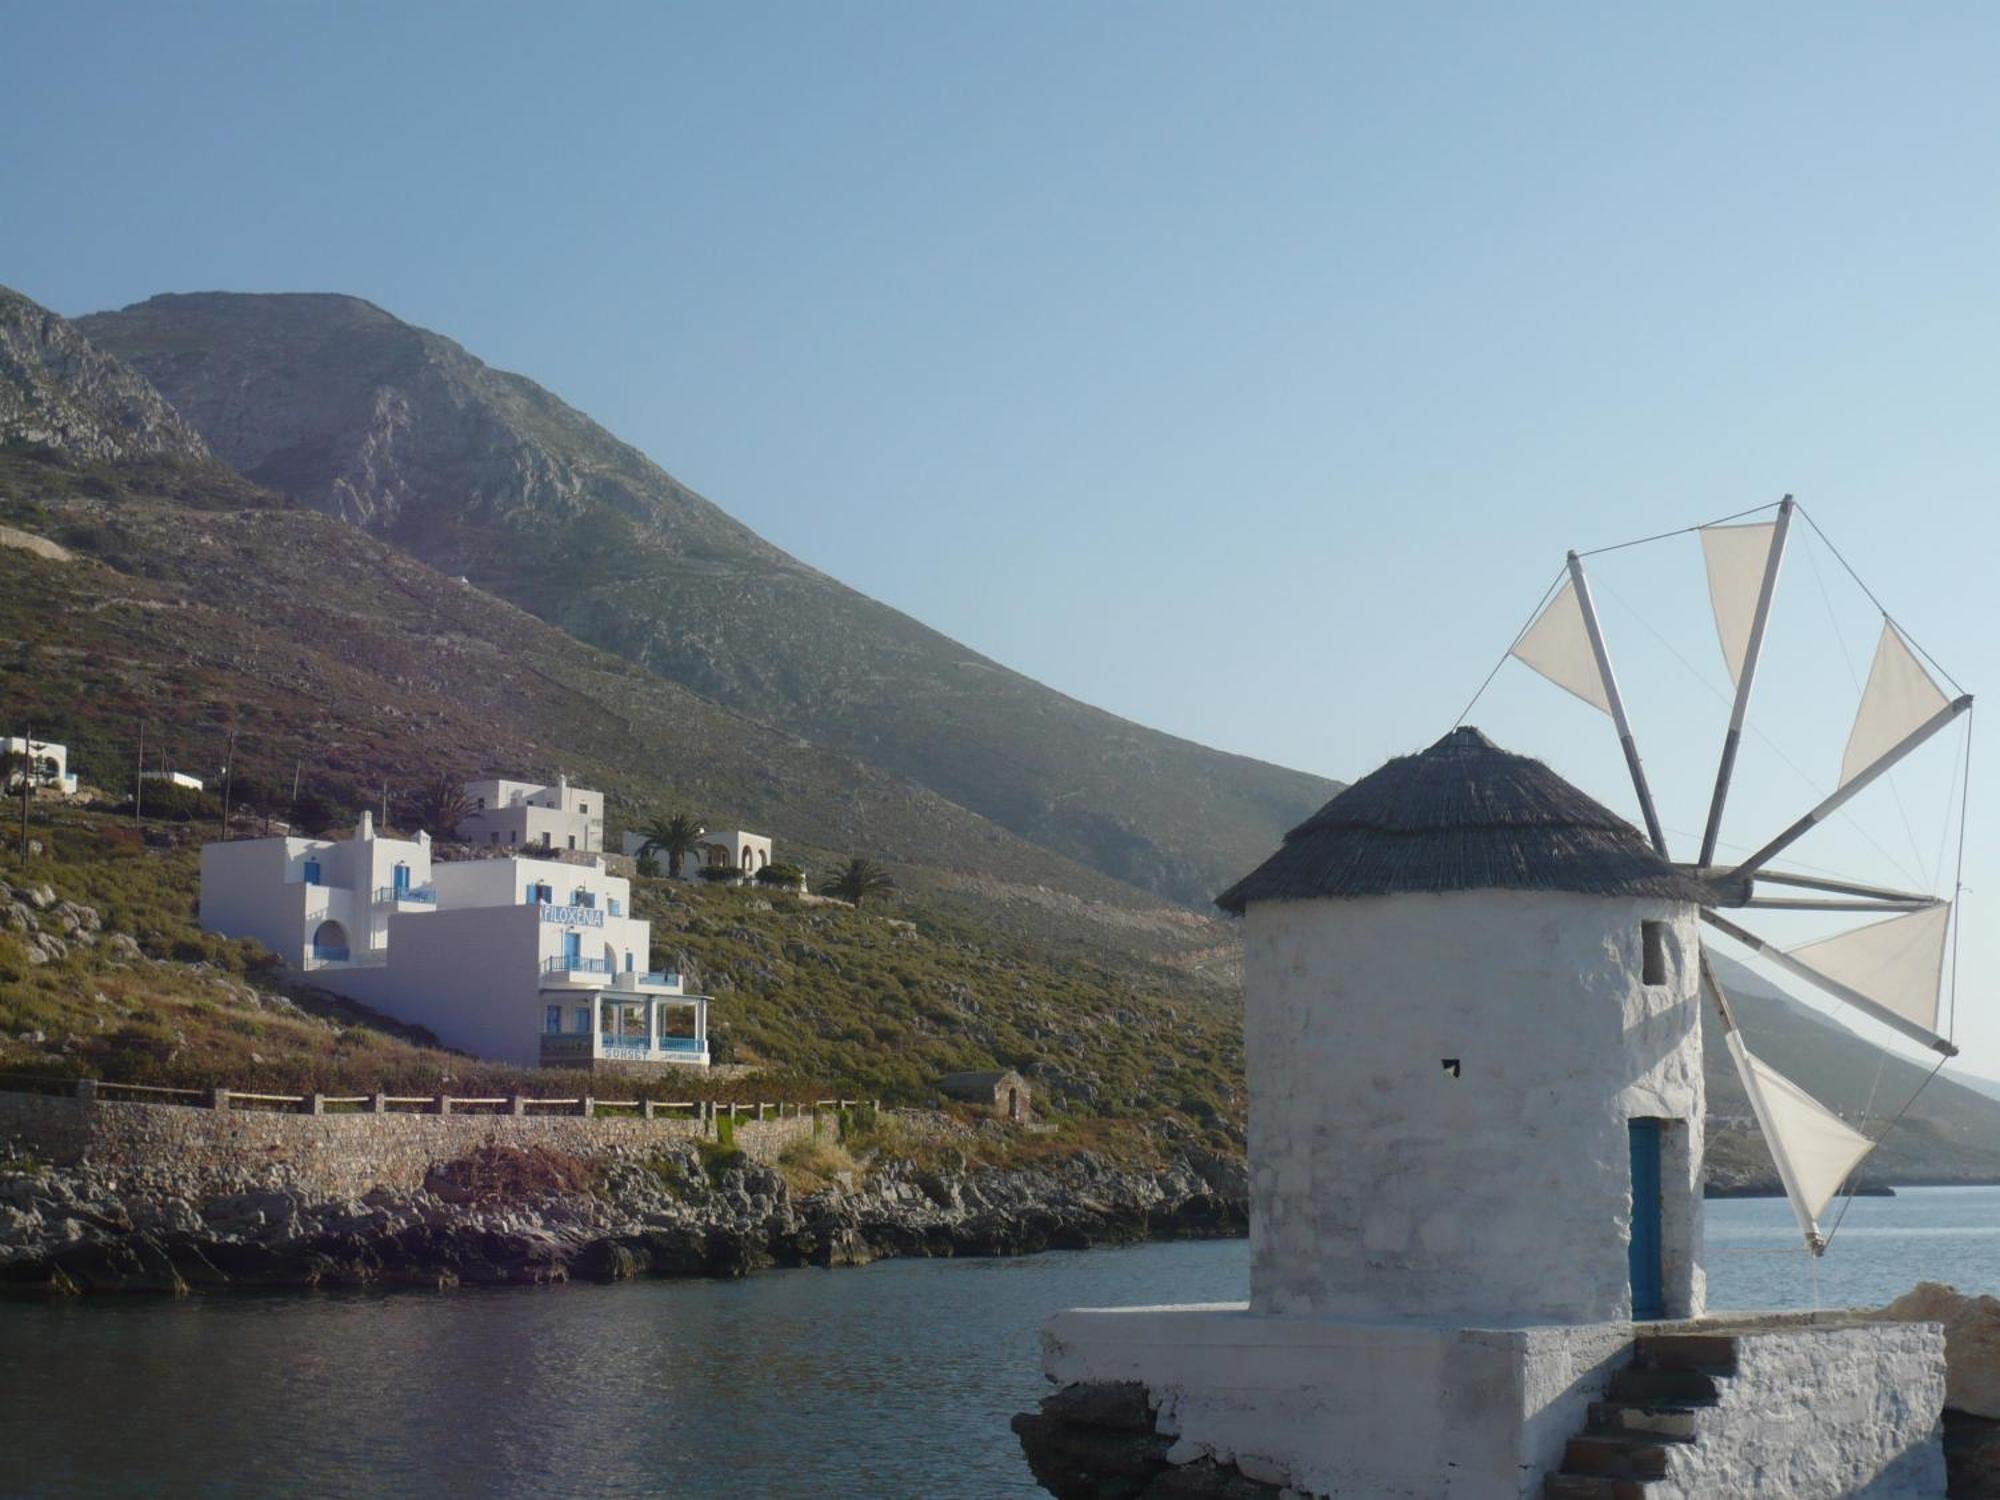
{"points": [[893, 1380]]}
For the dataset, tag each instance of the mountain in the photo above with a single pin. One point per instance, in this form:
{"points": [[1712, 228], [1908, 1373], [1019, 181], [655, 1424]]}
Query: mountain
{"points": [[57, 392], [486, 475]]}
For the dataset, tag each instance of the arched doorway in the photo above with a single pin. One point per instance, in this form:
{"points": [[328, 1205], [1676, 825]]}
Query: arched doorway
{"points": [[1013, 1104], [329, 944]]}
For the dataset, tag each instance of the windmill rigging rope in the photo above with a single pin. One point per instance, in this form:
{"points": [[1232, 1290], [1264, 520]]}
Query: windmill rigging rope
{"points": [[1841, 1217], [1847, 818], [1837, 557], [1958, 881], [1847, 661], [1662, 536], [1547, 594]]}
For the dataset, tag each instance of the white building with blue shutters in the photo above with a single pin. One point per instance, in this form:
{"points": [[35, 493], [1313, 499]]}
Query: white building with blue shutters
{"points": [[527, 961]]}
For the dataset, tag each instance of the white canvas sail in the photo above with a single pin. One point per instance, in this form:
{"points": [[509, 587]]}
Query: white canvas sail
{"points": [[1900, 697], [1558, 646], [1736, 557], [1814, 1148], [1899, 963]]}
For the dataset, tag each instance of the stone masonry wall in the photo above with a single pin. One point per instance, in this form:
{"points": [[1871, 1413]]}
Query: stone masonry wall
{"points": [[328, 1156]]}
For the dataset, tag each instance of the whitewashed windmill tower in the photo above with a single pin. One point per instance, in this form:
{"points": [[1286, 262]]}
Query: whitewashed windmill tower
{"points": [[1474, 1054]]}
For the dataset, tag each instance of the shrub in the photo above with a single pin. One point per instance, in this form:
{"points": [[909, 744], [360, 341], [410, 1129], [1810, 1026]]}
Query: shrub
{"points": [[789, 877], [648, 867], [720, 873]]}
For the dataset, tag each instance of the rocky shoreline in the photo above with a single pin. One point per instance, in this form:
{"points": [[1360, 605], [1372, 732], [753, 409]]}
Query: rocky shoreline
{"points": [[506, 1216]]}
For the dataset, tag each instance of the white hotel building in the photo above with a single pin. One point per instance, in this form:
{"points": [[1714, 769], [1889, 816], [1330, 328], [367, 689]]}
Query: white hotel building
{"points": [[523, 814], [527, 961]]}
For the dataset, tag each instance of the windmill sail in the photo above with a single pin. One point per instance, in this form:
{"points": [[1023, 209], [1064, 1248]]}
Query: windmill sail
{"points": [[1737, 558], [1899, 699], [1898, 964], [1814, 1149], [1558, 646]]}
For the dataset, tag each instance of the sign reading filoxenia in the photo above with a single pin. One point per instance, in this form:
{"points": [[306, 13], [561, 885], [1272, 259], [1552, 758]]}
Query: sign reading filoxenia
{"points": [[573, 916]]}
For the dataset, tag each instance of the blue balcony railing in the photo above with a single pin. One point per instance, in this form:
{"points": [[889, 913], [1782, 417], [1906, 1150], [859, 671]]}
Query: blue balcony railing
{"points": [[386, 894], [682, 1044], [576, 964], [666, 979], [326, 953]]}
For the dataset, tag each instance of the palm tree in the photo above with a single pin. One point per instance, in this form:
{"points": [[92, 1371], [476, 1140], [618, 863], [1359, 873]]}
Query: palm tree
{"points": [[440, 805], [675, 837], [857, 880], [15, 766]]}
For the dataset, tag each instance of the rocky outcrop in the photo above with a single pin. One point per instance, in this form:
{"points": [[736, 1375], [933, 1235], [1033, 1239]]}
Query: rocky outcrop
{"points": [[531, 1218], [1096, 1440], [1971, 1343], [58, 391]]}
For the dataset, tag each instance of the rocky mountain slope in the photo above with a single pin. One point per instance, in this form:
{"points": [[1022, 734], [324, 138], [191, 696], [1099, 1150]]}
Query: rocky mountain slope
{"points": [[58, 392], [482, 473], [343, 661]]}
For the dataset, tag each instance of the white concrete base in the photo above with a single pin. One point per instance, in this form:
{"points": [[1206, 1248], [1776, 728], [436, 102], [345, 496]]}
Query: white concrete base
{"points": [[1405, 1410]]}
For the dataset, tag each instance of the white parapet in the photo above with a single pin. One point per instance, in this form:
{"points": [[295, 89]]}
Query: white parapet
{"points": [[1351, 1408]]}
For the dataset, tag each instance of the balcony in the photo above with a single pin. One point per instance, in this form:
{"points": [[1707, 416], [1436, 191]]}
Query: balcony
{"points": [[570, 1050], [389, 895], [594, 973], [627, 980]]}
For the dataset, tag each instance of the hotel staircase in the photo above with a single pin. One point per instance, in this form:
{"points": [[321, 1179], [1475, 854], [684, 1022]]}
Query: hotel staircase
{"points": [[1654, 1403]]}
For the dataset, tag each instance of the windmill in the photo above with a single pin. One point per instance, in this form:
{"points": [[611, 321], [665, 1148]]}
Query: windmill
{"points": [[1891, 967]]}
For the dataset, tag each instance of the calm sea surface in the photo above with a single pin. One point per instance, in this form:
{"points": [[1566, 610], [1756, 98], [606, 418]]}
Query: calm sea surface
{"points": [[896, 1380]]}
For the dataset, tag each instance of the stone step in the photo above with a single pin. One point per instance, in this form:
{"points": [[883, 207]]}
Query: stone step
{"points": [[1594, 1487], [1618, 1455], [1670, 1423], [1711, 1353], [1647, 1387]]}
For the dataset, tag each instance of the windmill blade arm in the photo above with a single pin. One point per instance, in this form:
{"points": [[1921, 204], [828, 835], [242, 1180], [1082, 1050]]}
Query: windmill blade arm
{"points": [[1831, 986], [1861, 780], [1803, 903], [1616, 702], [1846, 888]]}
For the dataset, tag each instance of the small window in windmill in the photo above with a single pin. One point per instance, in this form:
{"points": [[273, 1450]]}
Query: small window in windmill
{"points": [[1653, 943]]}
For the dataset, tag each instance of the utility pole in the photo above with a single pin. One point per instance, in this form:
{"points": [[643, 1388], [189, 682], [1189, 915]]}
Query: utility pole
{"points": [[385, 809], [27, 789], [139, 776], [228, 765]]}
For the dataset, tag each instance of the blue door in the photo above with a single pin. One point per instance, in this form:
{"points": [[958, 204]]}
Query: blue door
{"points": [[312, 872], [1647, 1300], [402, 878], [572, 948]]}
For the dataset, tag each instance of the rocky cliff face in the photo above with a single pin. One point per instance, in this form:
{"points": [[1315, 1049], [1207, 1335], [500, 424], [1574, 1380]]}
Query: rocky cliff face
{"points": [[82, 1229], [58, 391], [478, 472]]}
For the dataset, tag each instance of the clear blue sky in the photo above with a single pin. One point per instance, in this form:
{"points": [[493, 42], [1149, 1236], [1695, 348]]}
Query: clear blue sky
{"points": [[1245, 370]]}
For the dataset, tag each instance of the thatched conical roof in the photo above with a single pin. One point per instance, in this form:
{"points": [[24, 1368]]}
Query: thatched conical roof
{"points": [[1464, 815]]}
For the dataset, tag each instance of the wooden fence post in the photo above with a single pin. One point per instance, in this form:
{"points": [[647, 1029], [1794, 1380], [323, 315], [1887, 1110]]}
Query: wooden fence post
{"points": [[315, 1104], [218, 1098], [516, 1105], [589, 1108], [378, 1104], [646, 1108], [441, 1104]]}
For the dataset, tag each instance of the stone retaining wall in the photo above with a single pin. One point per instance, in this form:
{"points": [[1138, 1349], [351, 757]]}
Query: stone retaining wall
{"points": [[327, 1156]]}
